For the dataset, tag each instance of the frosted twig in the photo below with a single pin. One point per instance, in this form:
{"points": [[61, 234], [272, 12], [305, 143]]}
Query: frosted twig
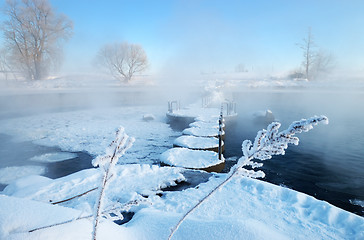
{"points": [[266, 144], [106, 163], [71, 198]]}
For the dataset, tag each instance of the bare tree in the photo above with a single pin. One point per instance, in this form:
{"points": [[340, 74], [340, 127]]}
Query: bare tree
{"points": [[308, 46], [33, 33], [324, 62], [123, 60], [315, 61], [4, 65]]}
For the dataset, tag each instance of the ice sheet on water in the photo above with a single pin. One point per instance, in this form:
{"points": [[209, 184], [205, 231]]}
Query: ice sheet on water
{"points": [[9, 174], [93, 130], [54, 157]]}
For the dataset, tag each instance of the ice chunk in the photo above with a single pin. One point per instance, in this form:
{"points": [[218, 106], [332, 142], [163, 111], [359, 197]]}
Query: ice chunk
{"points": [[188, 158]]}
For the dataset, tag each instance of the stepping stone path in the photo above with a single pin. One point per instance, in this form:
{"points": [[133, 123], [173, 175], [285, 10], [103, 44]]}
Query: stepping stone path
{"points": [[198, 147]]}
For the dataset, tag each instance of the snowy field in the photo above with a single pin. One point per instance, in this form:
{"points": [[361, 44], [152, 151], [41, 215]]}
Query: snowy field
{"points": [[243, 209]]}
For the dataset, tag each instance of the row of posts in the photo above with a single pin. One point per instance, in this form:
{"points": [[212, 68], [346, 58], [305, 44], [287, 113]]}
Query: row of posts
{"points": [[173, 105], [230, 107]]}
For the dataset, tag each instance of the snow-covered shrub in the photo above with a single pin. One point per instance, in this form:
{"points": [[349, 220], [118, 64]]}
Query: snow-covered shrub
{"points": [[106, 164], [267, 143]]}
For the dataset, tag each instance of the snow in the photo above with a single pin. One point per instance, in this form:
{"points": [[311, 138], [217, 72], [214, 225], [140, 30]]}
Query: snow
{"points": [[202, 124], [202, 132], [196, 112], [9, 174], [252, 209], [193, 142], [148, 117], [93, 130], [54, 157], [188, 158], [244, 208], [23, 215], [208, 119], [130, 181]]}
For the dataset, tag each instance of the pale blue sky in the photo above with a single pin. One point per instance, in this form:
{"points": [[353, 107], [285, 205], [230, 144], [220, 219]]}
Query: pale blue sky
{"points": [[209, 35]]}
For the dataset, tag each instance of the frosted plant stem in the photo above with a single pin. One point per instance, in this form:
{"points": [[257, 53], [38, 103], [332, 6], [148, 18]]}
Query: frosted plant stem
{"points": [[98, 210], [106, 164], [202, 200], [102, 190]]}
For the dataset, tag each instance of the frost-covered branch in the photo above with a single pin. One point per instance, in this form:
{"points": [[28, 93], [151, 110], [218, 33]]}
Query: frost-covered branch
{"points": [[267, 143], [106, 163], [271, 142]]}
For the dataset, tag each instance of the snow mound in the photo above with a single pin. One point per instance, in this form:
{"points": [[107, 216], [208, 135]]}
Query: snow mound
{"points": [[244, 208], [247, 209], [53, 157], [196, 112], [26, 184], [202, 124], [148, 117], [9, 174], [21, 215], [202, 132], [130, 182], [208, 119], [193, 142], [183, 157], [264, 116]]}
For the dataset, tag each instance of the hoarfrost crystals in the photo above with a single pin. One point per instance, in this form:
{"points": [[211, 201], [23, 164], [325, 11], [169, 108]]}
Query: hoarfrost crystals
{"points": [[106, 163], [271, 142]]}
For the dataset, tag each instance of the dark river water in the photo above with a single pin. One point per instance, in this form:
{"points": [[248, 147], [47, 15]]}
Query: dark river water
{"points": [[328, 163]]}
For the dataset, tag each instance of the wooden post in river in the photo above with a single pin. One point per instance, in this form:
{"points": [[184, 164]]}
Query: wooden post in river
{"points": [[220, 134]]}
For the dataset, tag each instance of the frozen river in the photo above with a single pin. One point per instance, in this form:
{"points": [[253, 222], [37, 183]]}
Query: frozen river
{"points": [[328, 163]]}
